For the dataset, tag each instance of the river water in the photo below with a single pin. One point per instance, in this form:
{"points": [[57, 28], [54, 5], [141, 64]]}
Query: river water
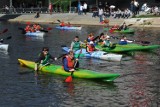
{"points": [[139, 85]]}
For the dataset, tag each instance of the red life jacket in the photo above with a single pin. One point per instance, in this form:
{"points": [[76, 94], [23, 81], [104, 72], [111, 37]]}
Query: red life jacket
{"points": [[91, 48], [62, 24], [70, 62]]}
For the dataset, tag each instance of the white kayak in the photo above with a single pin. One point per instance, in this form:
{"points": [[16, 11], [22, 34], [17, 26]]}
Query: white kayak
{"points": [[4, 46], [96, 54], [35, 34]]}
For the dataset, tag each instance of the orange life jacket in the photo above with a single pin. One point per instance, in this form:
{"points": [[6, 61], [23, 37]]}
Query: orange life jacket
{"points": [[38, 27], [70, 62], [27, 29], [62, 24], [91, 48]]}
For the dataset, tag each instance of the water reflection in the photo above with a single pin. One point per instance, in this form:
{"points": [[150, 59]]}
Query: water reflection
{"points": [[29, 38], [139, 97]]}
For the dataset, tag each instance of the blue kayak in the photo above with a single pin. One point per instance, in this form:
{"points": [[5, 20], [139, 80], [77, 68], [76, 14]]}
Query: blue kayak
{"points": [[69, 28]]}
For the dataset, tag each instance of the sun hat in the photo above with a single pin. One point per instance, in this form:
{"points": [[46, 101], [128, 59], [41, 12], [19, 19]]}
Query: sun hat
{"points": [[91, 42], [107, 36]]}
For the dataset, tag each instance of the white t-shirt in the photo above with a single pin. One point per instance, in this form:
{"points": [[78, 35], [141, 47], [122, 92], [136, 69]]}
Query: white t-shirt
{"points": [[100, 11], [81, 8], [136, 3], [84, 6]]}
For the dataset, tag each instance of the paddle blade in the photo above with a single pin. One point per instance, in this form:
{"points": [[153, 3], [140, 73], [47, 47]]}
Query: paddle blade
{"points": [[5, 30], [49, 28], [68, 79], [130, 24], [9, 37], [58, 20]]}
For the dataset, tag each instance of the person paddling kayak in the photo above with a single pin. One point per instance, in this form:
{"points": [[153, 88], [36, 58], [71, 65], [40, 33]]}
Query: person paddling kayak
{"points": [[76, 44], [90, 47], [43, 59], [69, 62], [124, 41]]}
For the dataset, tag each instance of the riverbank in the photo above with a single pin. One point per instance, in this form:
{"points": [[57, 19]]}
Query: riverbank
{"points": [[76, 19]]}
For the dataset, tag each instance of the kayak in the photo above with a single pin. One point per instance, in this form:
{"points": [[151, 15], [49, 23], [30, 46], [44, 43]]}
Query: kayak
{"points": [[96, 54], [127, 31], [4, 46], [69, 28], [80, 73], [128, 48], [35, 34]]}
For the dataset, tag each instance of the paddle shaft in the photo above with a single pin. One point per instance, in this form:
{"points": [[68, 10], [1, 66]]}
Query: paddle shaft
{"points": [[143, 42], [5, 30]]}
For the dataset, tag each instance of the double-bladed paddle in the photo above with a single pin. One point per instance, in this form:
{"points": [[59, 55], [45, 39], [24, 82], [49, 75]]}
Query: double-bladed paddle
{"points": [[59, 21], [143, 42]]}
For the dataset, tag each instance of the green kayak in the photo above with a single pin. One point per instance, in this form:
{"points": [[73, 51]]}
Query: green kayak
{"points": [[127, 31], [128, 48], [80, 73]]}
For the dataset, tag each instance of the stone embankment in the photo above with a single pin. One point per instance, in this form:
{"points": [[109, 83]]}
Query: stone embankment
{"points": [[76, 19]]}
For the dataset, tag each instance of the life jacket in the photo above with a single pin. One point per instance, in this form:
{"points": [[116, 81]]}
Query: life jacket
{"points": [[62, 24], [32, 30], [76, 45], [91, 48], [34, 26], [70, 62], [123, 42], [90, 38], [38, 27], [27, 29]]}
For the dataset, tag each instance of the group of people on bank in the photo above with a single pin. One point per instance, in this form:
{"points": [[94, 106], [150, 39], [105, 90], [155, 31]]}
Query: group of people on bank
{"points": [[68, 60]]}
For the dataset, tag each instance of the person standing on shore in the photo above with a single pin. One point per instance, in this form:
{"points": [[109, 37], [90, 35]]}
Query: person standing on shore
{"points": [[100, 13], [78, 6], [50, 8], [85, 8]]}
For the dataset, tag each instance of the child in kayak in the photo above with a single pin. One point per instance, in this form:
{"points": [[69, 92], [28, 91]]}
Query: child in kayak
{"points": [[90, 37], [76, 44], [90, 47], [124, 41], [123, 27], [69, 62], [106, 42], [43, 59]]}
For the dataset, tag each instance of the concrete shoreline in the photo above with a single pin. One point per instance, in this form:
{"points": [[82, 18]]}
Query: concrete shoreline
{"points": [[76, 19]]}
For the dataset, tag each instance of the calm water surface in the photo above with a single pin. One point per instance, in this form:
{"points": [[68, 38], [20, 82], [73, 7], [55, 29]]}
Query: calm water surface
{"points": [[139, 85]]}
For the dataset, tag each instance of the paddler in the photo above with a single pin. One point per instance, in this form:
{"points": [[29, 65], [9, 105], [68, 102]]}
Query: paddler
{"points": [[90, 37], [124, 41], [69, 62], [76, 44], [106, 42], [43, 59], [123, 26], [62, 24], [28, 28], [90, 47]]}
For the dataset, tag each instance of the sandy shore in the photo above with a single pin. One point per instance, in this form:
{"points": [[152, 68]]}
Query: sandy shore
{"points": [[76, 19]]}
